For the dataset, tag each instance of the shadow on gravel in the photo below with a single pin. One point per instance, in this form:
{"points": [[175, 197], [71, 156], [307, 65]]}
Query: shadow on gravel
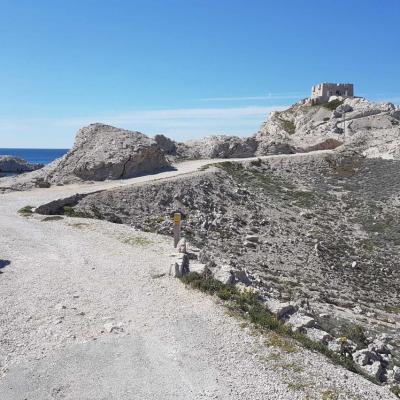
{"points": [[3, 264]]}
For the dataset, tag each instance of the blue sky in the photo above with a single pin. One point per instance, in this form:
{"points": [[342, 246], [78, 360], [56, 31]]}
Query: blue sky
{"points": [[186, 68]]}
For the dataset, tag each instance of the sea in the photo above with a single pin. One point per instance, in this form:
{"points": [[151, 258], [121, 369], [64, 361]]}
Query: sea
{"points": [[36, 156]]}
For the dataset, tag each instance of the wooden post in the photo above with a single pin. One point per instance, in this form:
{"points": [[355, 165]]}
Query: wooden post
{"points": [[177, 228], [344, 125]]}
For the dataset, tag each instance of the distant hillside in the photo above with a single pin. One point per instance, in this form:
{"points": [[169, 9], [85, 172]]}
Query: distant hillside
{"points": [[370, 128]]}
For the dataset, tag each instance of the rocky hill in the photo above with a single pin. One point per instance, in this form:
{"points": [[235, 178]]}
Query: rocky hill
{"points": [[104, 152], [356, 123], [100, 152], [370, 128]]}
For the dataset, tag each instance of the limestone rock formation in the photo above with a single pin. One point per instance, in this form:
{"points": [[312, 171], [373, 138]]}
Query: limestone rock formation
{"points": [[368, 127], [11, 164], [103, 152], [218, 146], [167, 145], [100, 152], [356, 123]]}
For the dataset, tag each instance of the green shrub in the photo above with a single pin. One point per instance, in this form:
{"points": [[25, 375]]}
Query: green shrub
{"points": [[333, 105], [288, 126], [259, 316], [356, 334], [247, 305], [396, 390], [330, 395], [138, 241], [26, 211], [69, 211]]}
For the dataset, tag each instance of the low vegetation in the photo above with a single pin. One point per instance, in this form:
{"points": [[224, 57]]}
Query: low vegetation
{"points": [[138, 241], [26, 211], [52, 218], [396, 390], [288, 126], [79, 225], [70, 212], [356, 333], [248, 306], [333, 105], [330, 395]]}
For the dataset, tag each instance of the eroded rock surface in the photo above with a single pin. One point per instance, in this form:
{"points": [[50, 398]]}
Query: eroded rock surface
{"points": [[366, 126], [11, 164], [100, 152], [355, 123], [103, 152], [218, 146]]}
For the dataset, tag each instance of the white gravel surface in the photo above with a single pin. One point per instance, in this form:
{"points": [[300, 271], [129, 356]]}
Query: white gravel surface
{"points": [[85, 315]]}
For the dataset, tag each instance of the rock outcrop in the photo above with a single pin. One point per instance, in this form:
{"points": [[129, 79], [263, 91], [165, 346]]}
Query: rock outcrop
{"points": [[167, 145], [217, 146], [104, 152], [354, 123], [11, 164], [100, 152], [370, 128]]}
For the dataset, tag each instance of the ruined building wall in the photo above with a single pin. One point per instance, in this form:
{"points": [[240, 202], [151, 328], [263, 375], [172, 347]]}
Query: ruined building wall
{"points": [[323, 91]]}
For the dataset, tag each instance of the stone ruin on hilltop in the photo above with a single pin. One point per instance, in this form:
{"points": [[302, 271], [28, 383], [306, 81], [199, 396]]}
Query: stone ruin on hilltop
{"points": [[322, 92]]}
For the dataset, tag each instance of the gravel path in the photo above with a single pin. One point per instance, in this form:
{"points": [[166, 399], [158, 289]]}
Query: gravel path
{"points": [[86, 315]]}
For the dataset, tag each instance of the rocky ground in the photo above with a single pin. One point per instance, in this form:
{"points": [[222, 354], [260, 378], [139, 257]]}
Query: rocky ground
{"points": [[11, 164], [89, 312], [318, 231], [357, 123], [314, 234]]}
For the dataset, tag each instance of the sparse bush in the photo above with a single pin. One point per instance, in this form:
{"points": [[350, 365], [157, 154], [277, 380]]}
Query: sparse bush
{"points": [[26, 211], [247, 305], [138, 241], [356, 334], [70, 212], [278, 340], [52, 218], [396, 390], [333, 105], [288, 126], [330, 395], [259, 316]]}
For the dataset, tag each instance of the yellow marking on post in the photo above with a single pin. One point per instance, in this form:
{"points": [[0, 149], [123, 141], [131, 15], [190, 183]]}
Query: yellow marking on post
{"points": [[177, 218]]}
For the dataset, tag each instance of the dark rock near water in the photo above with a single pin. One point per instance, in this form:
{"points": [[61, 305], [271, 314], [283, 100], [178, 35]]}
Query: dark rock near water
{"points": [[11, 164]]}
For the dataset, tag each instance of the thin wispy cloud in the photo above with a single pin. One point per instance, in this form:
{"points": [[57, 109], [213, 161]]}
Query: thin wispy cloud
{"points": [[172, 117], [269, 96], [179, 124]]}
